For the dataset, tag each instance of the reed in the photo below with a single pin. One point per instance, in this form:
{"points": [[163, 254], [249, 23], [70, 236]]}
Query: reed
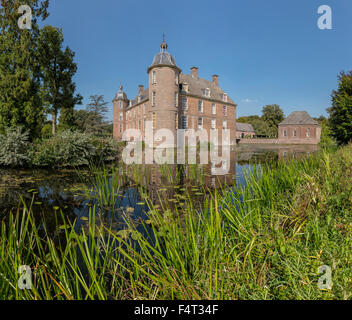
{"points": [[264, 239]]}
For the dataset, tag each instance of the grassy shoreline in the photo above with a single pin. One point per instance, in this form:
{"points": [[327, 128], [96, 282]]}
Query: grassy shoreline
{"points": [[263, 241]]}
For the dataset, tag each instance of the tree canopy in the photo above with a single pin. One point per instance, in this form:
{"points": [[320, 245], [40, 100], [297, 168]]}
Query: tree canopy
{"points": [[340, 120], [20, 102], [58, 69]]}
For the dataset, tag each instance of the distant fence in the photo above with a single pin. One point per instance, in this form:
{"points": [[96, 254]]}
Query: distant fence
{"points": [[277, 141]]}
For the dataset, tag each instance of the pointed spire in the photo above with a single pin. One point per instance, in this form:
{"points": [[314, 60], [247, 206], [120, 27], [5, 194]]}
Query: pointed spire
{"points": [[164, 45]]}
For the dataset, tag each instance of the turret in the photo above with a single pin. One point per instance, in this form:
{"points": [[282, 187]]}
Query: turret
{"points": [[164, 90], [120, 104]]}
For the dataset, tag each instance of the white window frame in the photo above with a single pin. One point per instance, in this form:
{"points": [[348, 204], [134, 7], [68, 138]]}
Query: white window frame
{"points": [[213, 124], [184, 122], [176, 99], [184, 103], [153, 99], [213, 108], [308, 133], [224, 124], [224, 111], [201, 121], [153, 77], [200, 106]]}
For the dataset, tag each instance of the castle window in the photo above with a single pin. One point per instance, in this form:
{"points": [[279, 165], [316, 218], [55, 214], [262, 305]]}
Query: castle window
{"points": [[294, 133], [154, 99], [184, 103], [308, 133], [121, 116], [121, 106], [207, 92], [153, 77], [225, 111], [285, 133], [185, 87], [213, 123], [213, 108], [120, 128], [176, 99], [154, 120], [224, 124], [200, 123], [184, 122], [224, 97], [200, 105]]}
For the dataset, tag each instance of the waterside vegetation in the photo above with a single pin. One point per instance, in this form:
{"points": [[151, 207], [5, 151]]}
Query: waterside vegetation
{"points": [[264, 239]]}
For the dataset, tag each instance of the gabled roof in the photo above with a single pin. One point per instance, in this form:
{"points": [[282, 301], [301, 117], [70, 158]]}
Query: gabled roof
{"points": [[144, 97], [196, 86], [299, 117], [245, 127]]}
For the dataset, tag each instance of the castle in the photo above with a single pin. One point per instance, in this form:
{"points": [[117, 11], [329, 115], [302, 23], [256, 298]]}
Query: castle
{"points": [[175, 100]]}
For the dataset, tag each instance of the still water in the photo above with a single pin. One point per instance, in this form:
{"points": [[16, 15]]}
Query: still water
{"points": [[74, 192]]}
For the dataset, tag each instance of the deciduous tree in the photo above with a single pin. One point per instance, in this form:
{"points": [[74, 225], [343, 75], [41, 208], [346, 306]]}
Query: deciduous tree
{"points": [[58, 68], [340, 120]]}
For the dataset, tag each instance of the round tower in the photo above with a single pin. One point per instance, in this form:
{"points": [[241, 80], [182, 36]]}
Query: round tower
{"points": [[119, 119], [164, 91]]}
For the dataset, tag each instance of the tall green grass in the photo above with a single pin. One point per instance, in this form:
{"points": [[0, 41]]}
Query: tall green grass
{"points": [[265, 239]]}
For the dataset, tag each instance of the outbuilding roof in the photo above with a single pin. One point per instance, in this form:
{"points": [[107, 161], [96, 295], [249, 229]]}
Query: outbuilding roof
{"points": [[299, 117], [244, 127]]}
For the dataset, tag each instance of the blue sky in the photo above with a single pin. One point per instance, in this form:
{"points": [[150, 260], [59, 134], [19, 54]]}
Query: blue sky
{"points": [[265, 52]]}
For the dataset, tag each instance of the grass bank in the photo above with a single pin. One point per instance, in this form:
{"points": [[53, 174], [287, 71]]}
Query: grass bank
{"points": [[263, 241]]}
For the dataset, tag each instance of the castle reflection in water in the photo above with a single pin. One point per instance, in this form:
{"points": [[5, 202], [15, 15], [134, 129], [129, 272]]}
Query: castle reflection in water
{"points": [[189, 177]]}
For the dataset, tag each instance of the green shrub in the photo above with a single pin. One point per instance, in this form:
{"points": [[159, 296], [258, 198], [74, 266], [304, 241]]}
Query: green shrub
{"points": [[73, 148], [14, 147]]}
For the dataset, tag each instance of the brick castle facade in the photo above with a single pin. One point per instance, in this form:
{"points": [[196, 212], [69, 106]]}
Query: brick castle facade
{"points": [[174, 100]]}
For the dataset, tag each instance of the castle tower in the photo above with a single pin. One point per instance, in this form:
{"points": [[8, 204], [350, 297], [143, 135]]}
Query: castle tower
{"points": [[164, 91], [120, 104]]}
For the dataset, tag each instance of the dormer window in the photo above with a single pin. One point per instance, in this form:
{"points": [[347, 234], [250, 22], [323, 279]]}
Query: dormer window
{"points": [[207, 92], [139, 98], [130, 104], [185, 87], [153, 77], [224, 97]]}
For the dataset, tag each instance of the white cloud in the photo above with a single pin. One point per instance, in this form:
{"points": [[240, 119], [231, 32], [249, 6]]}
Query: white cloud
{"points": [[249, 100]]}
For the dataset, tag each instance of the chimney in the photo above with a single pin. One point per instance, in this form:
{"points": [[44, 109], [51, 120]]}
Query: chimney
{"points": [[140, 89], [194, 72], [216, 79]]}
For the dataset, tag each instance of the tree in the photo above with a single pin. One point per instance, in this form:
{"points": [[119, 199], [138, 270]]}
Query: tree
{"points": [[58, 69], [340, 120], [96, 113], [20, 103], [273, 115], [260, 127]]}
